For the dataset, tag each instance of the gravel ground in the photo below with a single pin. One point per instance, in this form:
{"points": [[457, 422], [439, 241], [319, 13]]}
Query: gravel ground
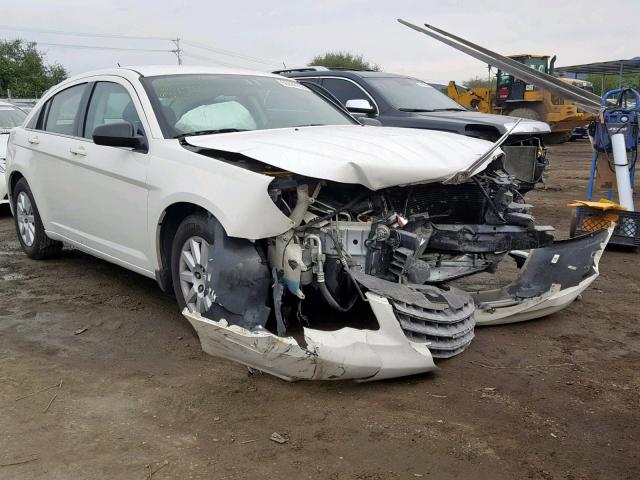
{"points": [[556, 398]]}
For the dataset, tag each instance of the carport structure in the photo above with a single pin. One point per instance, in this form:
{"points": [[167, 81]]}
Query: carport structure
{"points": [[611, 67]]}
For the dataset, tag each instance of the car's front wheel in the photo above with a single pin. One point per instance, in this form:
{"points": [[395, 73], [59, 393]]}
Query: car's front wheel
{"points": [[29, 226], [191, 264]]}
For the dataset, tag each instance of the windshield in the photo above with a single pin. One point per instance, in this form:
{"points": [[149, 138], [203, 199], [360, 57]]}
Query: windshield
{"points": [[202, 104], [409, 94], [11, 117], [539, 64]]}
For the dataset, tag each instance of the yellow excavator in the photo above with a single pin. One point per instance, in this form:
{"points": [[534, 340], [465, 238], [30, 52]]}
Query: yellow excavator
{"points": [[509, 95]]}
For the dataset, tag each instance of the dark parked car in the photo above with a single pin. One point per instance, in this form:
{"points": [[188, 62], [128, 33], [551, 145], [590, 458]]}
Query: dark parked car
{"points": [[403, 101]]}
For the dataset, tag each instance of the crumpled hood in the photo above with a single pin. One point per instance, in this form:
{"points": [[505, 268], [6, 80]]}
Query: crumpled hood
{"points": [[502, 122], [376, 157]]}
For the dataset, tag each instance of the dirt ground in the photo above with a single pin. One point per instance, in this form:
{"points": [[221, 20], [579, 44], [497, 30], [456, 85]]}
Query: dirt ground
{"points": [[556, 398]]}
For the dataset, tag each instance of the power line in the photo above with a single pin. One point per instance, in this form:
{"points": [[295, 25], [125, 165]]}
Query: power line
{"points": [[211, 60], [178, 51], [231, 53], [100, 47], [79, 34]]}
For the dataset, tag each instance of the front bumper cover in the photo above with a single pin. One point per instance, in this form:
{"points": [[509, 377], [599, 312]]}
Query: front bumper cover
{"points": [[552, 277], [347, 353]]}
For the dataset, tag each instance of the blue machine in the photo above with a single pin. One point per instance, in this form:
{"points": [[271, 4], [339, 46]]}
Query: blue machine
{"points": [[619, 118]]}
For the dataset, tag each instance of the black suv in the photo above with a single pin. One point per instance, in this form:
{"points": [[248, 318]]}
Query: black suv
{"points": [[402, 101]]}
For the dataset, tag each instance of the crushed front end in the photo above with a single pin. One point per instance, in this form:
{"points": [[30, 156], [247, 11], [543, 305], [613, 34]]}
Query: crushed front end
{"points": [[359, 286]]}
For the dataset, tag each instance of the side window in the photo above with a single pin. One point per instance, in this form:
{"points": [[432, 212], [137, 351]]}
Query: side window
{"points": [[62, 111], [111, 103], [343, 90]]}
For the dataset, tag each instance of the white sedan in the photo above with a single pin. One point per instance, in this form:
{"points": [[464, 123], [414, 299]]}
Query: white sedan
{"points": [[296, 240], [10, 117]]}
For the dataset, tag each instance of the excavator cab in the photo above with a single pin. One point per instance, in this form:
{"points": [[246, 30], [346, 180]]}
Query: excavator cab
{"points": [[511, 89]]}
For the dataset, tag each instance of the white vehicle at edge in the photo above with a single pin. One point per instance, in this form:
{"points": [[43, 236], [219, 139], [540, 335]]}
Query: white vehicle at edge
{"points": [[296, 241], [10, 117]]}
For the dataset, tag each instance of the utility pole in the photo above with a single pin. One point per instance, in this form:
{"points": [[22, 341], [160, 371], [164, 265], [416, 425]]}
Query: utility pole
{"points": [[178, 50]]}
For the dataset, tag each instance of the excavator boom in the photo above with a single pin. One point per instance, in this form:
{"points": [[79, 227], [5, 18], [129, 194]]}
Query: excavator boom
{"points": [[586, 100]]}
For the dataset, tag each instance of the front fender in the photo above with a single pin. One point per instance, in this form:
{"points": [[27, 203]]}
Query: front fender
{"points": [[236, 197]]}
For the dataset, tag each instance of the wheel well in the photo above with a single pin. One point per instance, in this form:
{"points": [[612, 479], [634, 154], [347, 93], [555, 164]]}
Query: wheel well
{"points": [[13, 180], [170, 220]]}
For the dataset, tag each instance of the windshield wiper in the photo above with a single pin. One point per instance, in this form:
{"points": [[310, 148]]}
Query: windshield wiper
{"points": [[211, 132], [449, 110]]}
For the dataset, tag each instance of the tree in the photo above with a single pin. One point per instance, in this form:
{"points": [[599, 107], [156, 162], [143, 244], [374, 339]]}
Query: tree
{"points": [[611, 82], [344, 60], [24, 72]]}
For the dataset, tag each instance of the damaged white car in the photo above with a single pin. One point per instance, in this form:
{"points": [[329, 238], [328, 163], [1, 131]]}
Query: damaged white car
{"points": [[296, 240]]}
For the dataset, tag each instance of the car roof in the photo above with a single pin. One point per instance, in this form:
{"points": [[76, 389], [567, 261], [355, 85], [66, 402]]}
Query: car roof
{"points": [[159, 70]]}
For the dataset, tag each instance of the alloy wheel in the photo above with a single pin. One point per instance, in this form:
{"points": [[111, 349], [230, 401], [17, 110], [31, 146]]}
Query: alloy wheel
{"points": [[195, 275], [26, 219]]}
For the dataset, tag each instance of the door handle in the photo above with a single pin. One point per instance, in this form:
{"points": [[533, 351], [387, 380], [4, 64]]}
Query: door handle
{"points": [[33, 140], [78, 151]]}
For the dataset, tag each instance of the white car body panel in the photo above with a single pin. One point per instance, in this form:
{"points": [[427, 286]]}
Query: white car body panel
{"points": [[345, 354], [112, 193], [192, 179], [376, 157], [4, 138]]}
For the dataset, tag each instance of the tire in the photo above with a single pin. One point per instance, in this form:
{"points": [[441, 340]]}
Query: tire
{"points": [[192, 232], [528, 113], [29, 227]]}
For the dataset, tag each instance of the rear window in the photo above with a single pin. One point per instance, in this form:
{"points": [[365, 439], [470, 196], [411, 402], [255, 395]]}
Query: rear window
{"points": [[11, 117], [62, 114]]}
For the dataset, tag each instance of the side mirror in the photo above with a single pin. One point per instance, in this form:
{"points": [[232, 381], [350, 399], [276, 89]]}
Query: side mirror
{"points": [[118, 134], [359, 106]]}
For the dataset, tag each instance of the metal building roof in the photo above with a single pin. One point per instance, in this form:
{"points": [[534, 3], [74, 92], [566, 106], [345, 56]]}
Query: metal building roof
{"points": [[612, 67]]}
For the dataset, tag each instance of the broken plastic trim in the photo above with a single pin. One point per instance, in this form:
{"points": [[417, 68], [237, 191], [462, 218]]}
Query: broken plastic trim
{"points": [[551, 279], [348, 353]]}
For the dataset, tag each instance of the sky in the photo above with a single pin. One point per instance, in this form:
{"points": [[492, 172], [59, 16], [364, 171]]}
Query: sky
{"points": [[293, 32]]}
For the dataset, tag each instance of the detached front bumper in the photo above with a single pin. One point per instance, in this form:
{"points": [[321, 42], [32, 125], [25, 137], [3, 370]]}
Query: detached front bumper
{"points": [[348, 353], [551, 279]]}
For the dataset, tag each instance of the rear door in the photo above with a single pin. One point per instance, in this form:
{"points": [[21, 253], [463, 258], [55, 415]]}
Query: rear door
{"points": [[45, 148], [112, 201]]}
